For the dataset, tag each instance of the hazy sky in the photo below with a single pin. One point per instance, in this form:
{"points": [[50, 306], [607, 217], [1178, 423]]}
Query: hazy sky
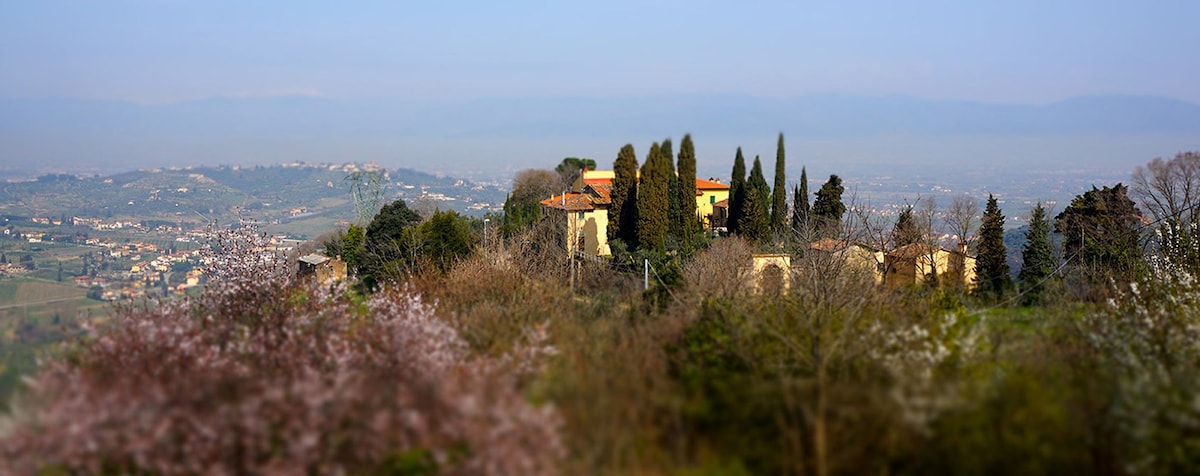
{"points": [[154, 51]]}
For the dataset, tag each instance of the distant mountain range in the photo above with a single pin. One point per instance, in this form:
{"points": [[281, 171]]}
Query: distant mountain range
{"points": [[73, 134]]}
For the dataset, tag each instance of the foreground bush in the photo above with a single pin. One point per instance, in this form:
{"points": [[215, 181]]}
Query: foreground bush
{"points": [[257, 375]]}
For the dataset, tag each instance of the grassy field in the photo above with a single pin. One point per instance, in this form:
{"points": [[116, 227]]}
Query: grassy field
{"points": [[35, 314], [26, 291]]}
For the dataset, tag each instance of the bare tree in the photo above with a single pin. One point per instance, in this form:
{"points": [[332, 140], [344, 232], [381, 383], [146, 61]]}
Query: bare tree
{"points": [[819, 325], [961, 219], [1170, 189], [536, 184], [729, 258]]}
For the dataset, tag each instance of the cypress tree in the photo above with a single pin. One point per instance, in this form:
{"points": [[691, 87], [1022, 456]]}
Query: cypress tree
{"points": [[800, 208], [652, 201], [754, 225], [1037, 259], [690, 222], [622, 212], [991, 266], [737, 191], [827, 209], [779, 211], [674, 207], [758, 181], [905, 231], [755, 220]]}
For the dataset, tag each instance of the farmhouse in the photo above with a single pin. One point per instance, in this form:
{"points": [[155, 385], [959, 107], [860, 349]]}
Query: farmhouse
{"points": [[586, 209]]}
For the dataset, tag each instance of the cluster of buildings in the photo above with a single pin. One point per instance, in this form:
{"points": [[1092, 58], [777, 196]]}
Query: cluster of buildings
{"points": [[586, 208], [100, 224]]}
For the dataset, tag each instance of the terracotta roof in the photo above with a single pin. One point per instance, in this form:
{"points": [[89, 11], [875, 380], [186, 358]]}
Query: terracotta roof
{"points": [[601, 193], [722, 204], [702, 184], [573, 201]]}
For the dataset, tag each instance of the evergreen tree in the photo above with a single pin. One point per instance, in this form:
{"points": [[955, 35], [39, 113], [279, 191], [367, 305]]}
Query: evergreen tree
{"points": [[905, 231], [779, 210], [798, 215], [827, 209], [1037, 259], [991, 266], [622, 212], [1100, 231], [800, 207], [674, 206], [445, 239], [352, 243], [387, 244], [690, 222], [758, 181], [652, 201], [737, 191], [570, 168], [755, 224]]}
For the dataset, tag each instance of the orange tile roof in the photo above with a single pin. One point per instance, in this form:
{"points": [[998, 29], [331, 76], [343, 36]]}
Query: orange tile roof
{"points": [[573, 201], [602, 193], [722, 204], [702, 184]]}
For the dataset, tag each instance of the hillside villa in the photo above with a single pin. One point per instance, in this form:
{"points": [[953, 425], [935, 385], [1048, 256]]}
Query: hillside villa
{"points": [[586, 209], [586, 206]]}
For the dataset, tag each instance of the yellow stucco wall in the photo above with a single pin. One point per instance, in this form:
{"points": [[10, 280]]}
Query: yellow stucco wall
{"points": [[705, 201], [590, 231], [902, 272], [764, 281]]}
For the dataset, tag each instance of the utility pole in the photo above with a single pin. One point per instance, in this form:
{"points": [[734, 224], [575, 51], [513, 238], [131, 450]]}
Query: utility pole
{"points": [[645, 274]]}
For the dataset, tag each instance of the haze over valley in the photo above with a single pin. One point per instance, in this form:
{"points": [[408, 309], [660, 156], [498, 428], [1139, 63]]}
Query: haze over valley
{"points": [[492, 138]]}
